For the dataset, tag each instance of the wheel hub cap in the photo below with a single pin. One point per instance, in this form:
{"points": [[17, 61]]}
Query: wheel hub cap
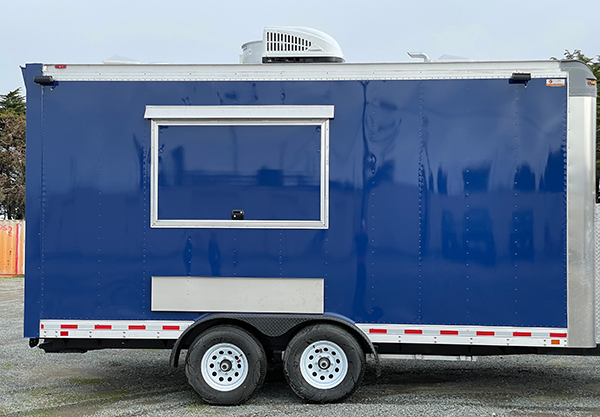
{"points": [[226, 366], [324, 363]]}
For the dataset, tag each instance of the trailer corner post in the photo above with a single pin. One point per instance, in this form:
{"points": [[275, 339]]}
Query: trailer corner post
{"points": [[581, 141]]}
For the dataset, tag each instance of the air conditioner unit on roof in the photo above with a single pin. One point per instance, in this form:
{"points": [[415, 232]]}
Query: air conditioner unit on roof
{"points": [[299, 44]]}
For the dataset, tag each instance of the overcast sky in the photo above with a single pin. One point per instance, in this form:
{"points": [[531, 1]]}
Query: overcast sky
{"points": [[187, 31]]}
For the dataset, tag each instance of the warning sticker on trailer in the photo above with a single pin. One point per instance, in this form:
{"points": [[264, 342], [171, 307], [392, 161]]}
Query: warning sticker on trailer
{"points": [[555, 82]]}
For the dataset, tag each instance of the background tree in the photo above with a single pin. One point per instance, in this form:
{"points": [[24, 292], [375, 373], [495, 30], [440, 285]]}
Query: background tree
{"points": [[12, 156]]}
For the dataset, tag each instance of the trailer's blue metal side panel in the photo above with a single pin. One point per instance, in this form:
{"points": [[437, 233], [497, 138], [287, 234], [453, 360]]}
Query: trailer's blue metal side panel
{"points": [[447, 202], [496, 203], [96, 219]]}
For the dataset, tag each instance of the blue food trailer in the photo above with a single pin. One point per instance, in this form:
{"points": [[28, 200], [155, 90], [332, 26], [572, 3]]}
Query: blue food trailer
{"points": [[298, 208]]}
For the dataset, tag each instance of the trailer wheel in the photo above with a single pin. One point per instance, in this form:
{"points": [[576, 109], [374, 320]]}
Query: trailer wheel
{"points": [[226, 365], [324, 363]]}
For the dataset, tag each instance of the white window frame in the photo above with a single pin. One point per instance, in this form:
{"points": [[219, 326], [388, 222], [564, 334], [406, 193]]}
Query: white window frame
{"points": [[240, 116]]}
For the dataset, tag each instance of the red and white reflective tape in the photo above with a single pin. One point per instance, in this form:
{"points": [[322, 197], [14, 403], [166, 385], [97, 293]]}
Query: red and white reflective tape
{"points": [[378, 333], [465, 335], [116, 329]]}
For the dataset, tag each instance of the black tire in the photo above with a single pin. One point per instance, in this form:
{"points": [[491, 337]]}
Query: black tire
{"points": [[234, 365], [314, 359]]}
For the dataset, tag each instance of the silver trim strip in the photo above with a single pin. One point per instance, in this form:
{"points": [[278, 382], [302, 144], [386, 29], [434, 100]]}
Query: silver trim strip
{"points": [[597, 268], [419, 357], [244, 295], [240, 116], [239, 112], [581, 147]]}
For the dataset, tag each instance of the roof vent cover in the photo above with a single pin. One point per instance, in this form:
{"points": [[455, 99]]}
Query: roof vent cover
{"points": [[298, 44]]}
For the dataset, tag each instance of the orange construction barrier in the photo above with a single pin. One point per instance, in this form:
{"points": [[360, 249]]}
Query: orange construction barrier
{"points": [[12, 247]]}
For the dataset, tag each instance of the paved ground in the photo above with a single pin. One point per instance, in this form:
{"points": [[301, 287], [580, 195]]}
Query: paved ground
{"points": [[140, 383]]}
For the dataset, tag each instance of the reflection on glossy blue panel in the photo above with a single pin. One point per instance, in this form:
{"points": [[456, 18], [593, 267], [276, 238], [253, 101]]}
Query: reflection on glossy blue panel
{"points": [[447, 199], [270, 172], [498, 163]]}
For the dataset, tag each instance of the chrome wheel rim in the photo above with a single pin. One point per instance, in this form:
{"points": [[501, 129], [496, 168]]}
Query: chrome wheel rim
{"points": [[224, 367]]}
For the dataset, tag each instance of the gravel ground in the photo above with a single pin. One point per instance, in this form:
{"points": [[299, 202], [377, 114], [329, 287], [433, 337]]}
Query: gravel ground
{"points": [[140, 383]]}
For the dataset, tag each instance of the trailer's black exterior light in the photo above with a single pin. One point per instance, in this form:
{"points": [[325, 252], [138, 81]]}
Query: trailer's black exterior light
{"points": [[43, 80], [520, 78]]}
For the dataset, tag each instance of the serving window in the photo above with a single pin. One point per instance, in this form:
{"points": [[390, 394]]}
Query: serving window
{"points": [[240, 166]]}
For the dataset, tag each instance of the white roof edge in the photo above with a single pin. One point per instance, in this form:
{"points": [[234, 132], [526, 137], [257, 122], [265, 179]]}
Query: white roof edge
{"points": [[540, 62], [322, 71]]}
